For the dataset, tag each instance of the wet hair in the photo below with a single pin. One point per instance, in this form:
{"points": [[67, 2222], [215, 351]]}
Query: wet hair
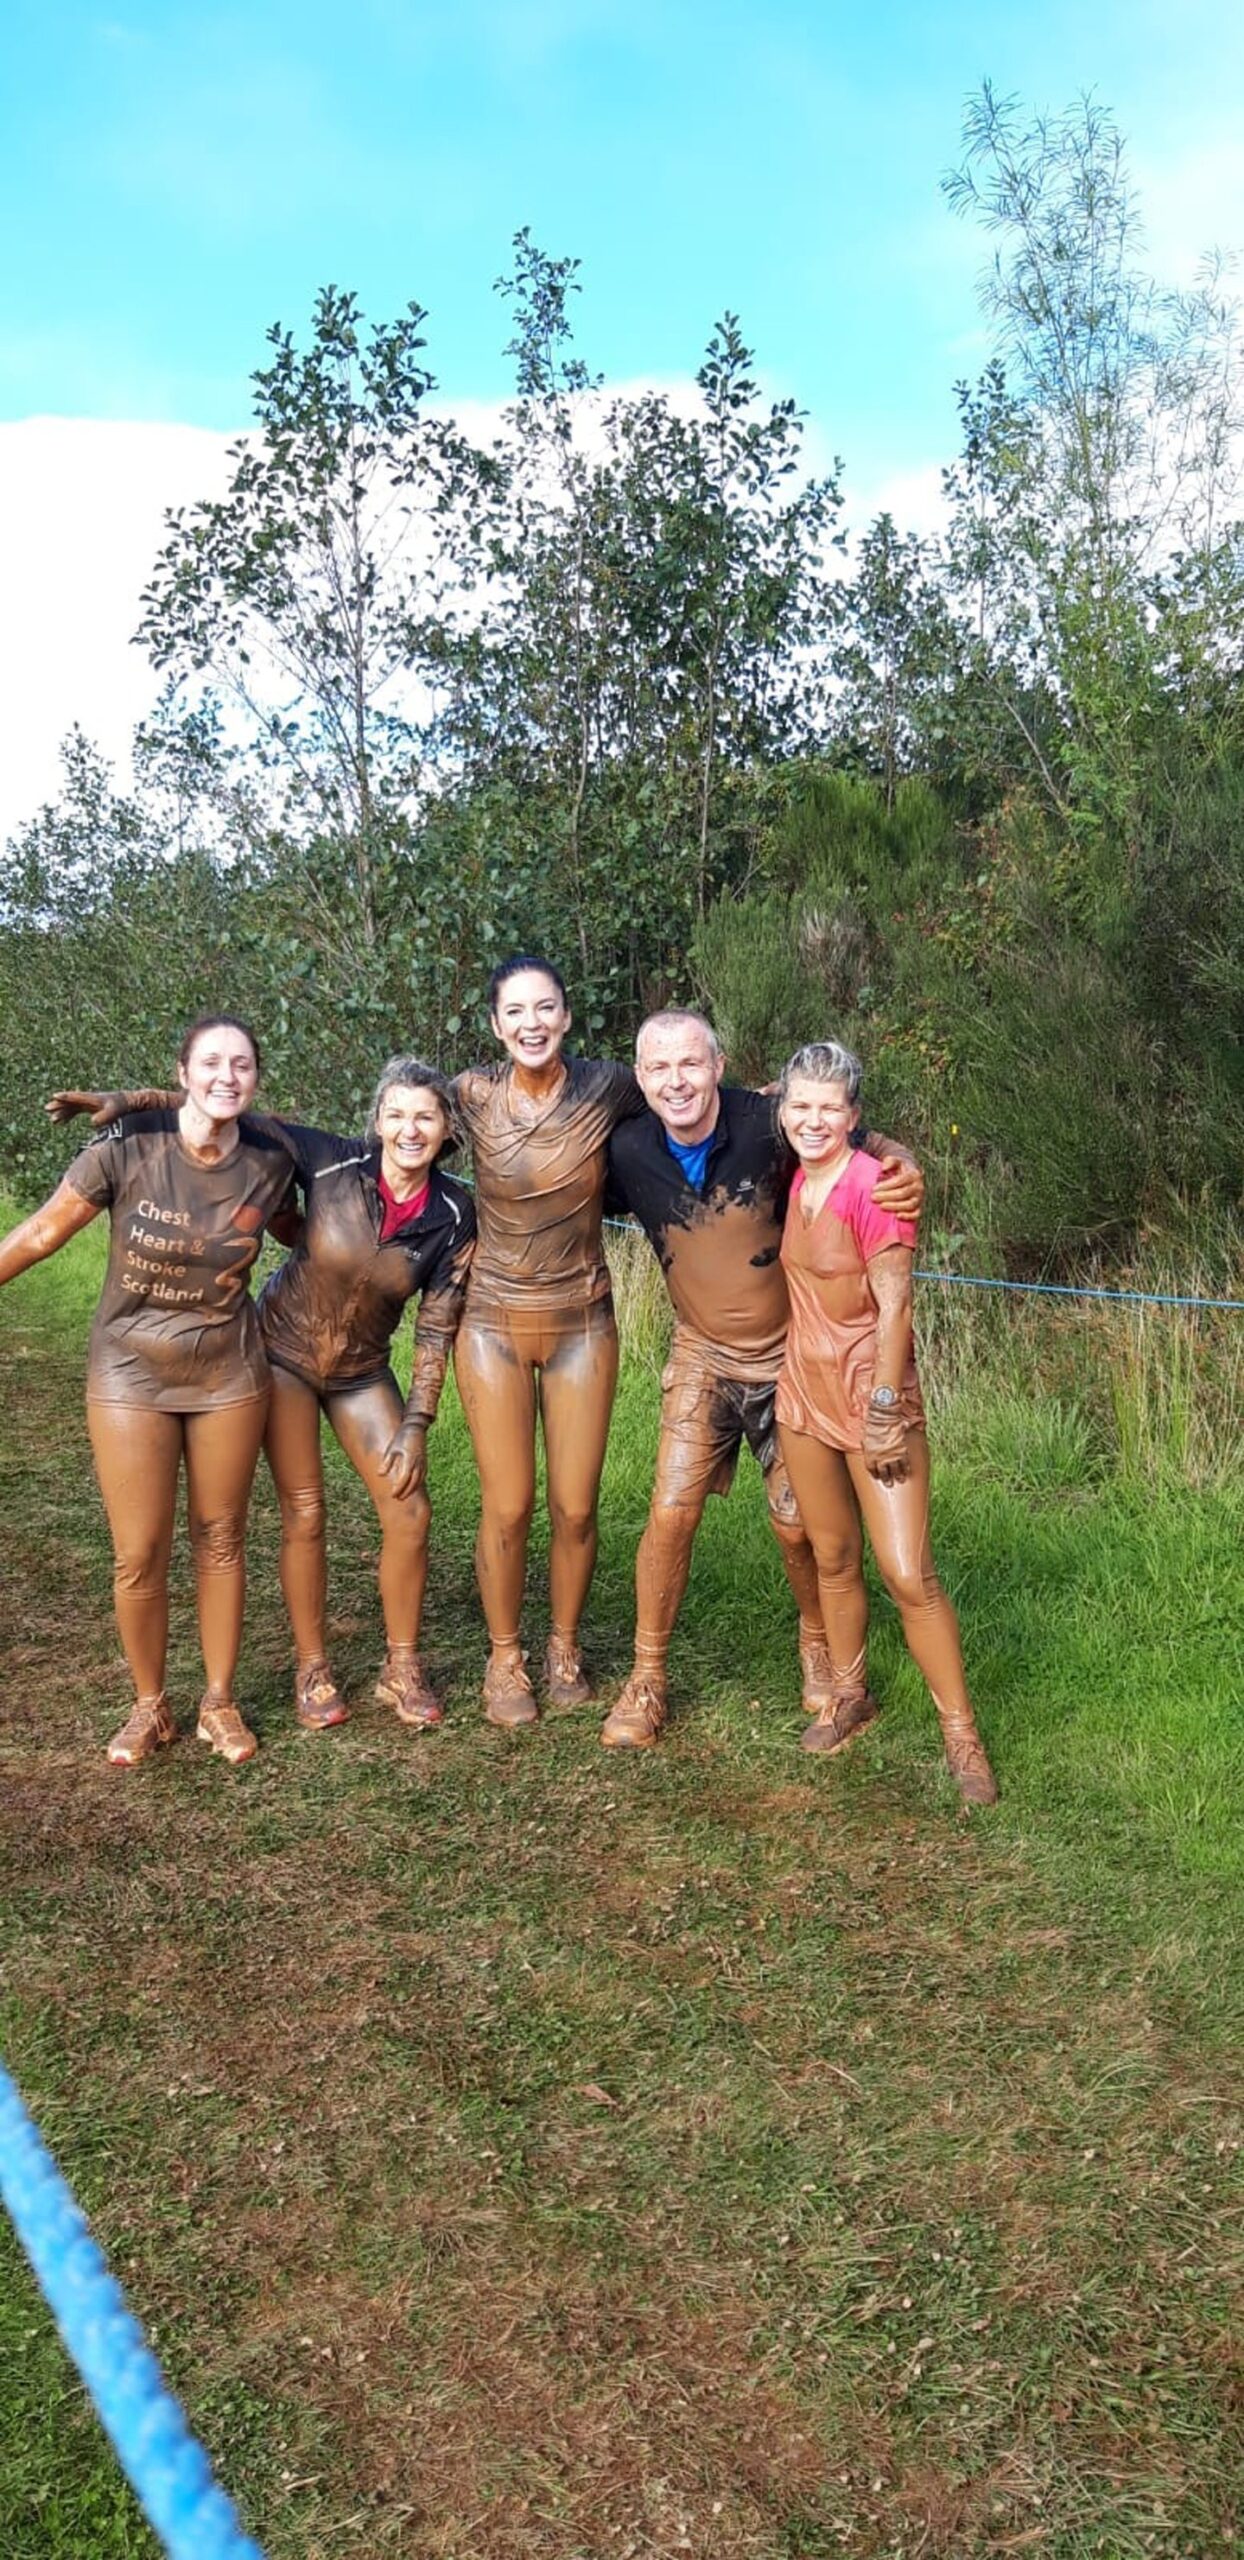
{"points": [[214, 1022], [824, 1062], [510, 969], [678, 1013], [412, 1071]]}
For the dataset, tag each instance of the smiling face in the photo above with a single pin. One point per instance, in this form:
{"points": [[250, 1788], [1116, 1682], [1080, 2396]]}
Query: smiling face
{"points": [[410, 1124], [679, 1069], [818, 1120], [531, 1018], [220, 1072]]}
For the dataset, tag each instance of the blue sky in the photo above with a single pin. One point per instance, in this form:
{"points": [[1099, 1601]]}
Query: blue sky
{"points": [[180, 176], [173, 178]]}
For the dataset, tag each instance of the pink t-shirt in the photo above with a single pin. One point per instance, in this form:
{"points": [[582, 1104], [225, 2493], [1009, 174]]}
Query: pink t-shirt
{"points": [[831, 1346]]}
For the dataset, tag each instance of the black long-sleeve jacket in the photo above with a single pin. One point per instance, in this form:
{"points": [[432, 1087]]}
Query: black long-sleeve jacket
{"points": [[331, 1311]]}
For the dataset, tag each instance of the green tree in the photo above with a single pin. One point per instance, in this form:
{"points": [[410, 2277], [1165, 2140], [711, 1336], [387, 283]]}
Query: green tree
{"points": [[894, 658], [1128, 399], [1006, 717], [316, 594], [647, 650], [724, 577]]}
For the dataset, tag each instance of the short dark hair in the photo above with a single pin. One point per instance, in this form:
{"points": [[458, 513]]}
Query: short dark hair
{"points": [[215, 1022], [510, 969]]}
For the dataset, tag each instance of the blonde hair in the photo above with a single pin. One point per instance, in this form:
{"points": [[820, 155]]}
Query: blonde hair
{"points": [[824, 1062]]}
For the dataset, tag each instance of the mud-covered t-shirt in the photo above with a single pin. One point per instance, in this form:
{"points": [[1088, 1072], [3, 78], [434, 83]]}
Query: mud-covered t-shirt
{"points": [[175, 1327], [539, 1183], [827, 1375], [718, 1243]]}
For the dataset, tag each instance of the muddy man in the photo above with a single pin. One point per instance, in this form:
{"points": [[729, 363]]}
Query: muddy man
{"points": [[706, 1172]]}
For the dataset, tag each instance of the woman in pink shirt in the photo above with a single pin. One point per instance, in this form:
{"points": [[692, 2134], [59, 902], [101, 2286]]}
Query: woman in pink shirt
{"points": [[850, 1416]]}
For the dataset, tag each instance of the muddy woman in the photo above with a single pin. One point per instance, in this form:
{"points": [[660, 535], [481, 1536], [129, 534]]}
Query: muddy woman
{"points": [[850, 1417], [538, 1332], [176, 1372], [383, 1224]]}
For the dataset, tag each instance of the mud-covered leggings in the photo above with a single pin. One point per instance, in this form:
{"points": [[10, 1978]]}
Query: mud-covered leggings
{"points": [[138, 1452], [363, 1421], [834, 1489], [565, 1365]]}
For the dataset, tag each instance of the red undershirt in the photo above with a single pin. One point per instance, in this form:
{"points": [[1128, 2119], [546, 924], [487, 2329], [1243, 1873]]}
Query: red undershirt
{"points": [[398, 1213]]}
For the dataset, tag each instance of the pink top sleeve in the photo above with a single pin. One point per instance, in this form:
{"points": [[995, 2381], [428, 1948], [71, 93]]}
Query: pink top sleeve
{"points": [[872, 1228]]}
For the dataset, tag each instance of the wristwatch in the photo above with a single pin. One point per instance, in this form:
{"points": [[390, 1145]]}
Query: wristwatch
{"points": [[884, 1398]]}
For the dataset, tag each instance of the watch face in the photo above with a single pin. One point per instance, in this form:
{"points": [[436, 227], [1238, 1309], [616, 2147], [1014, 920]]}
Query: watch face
{"points": [[884, 1396]]}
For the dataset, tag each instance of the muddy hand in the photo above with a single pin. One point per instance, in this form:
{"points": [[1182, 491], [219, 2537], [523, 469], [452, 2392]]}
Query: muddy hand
{"points": [[102, 1107], [885, 1447], [405, 1461], [900, 1189]]}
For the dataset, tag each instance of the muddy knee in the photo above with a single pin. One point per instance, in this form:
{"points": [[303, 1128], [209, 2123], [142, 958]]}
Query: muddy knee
{"points": [[911, 1589], [405, 1523], [572, 1524], [507, 1520], [788, 1528], [303, 1515], [671, 1526], [140, 1571], [838, 1559], [218, 1544]]}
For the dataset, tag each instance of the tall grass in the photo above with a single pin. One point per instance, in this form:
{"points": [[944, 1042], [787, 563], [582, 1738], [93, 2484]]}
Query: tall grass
{"points": [[1052, 1393]]}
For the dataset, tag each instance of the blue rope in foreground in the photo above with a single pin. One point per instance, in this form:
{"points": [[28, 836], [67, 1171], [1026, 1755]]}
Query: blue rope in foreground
{"points": [[169, 2472], [1058, 1289]]}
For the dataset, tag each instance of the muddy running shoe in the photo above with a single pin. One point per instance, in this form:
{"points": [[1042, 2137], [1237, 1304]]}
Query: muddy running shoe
{"points": [[404, 1685], [508, 1696], [838, 1723], [637, 1718], [818, 1674], [566, 1683], [318, 1702], [146, 1727], [221, 1725], [967, 1761]]}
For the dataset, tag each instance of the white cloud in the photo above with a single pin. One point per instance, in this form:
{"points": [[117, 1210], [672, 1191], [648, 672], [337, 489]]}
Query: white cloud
{"points": [[914, 499], [82, 503]]}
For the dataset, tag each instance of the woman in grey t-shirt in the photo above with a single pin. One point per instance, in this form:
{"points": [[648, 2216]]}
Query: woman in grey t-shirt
{"points": [[176, 1369]]}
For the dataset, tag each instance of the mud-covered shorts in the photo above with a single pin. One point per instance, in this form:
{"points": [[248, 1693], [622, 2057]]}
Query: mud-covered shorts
{"points": [[705, 1418]]}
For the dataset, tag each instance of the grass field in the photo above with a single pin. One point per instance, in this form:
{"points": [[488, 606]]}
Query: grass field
{"points": [[515, 2150]]}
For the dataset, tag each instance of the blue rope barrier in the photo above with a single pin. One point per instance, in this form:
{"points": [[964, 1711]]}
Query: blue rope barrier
{"points": [[1035, 1288], [168, 2471], [1057, 1289]]}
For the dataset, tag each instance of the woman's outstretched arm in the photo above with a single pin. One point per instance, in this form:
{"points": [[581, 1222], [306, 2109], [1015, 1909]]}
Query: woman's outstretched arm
{"points": [[106, 1107], [45, 1231]]}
